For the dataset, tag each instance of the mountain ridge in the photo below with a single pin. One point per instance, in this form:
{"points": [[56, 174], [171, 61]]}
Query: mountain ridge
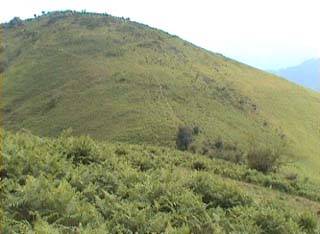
{"points": [[306, 74]]}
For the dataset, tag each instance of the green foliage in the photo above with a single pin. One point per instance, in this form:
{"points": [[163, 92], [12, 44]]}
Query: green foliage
{"points": [[118, 80], [216, 194], [81, 150], [222, 150], [272, 222], [265, 221], [265, 159], [143, 189], [15, 22], [199, 165], [196, 130], [308, 222], [218, 143], [184, 138]]}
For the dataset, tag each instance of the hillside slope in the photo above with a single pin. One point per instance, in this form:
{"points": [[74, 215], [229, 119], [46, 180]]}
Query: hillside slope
{"points": [[119, 80], [76, 185], [306, 74]]}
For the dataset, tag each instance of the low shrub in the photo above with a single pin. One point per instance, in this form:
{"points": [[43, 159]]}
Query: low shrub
{"points": [[184, 138], [199, 165], [82, 150], [234, 155], [271, 221], [266, 220], [55, 200], [121, 151], [15, 22], [277, 184], [292, 177], [264, 159], [226, 151], [217, 194], [308, 222], [219, 143], [196, 130]]}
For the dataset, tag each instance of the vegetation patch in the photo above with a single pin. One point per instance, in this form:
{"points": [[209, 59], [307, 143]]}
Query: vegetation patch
{"points": [[74, 184]]}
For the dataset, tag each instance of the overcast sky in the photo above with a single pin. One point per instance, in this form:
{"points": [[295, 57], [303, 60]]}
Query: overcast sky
{"points": [[267, 34]]}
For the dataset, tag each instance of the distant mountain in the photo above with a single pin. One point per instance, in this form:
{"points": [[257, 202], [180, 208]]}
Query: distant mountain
{"points": [[306, 74]]}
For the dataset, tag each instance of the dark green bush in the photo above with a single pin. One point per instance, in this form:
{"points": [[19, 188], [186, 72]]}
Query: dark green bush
{"points": [[82, 150], [15, 22], [199, 165], [142, 164], [184, 138], [121, 151], [218, 143], [264, 159], [196, 130]]}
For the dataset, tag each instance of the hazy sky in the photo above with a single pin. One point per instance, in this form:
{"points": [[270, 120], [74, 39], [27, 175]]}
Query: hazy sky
{"points": [[268, 34]]}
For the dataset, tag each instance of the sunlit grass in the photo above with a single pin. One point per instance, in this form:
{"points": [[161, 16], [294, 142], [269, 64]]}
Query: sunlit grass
{"points": [[121, 81]]}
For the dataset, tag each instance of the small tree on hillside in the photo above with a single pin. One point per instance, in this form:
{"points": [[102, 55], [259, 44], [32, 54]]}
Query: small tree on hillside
{"points": [[264, 160], [184, 138], [269, 157], [16, 21], [219, 143]]}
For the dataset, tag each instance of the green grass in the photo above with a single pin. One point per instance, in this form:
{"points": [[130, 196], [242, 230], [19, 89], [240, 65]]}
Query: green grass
{"points": [[75, 184], [118, 80]]}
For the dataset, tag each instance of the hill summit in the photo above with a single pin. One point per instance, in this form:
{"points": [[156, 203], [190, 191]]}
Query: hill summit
{"points": [[119, 80]]}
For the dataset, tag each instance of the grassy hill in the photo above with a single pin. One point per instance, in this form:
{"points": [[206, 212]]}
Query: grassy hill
{"points": [[118, 80], [77, 185]]}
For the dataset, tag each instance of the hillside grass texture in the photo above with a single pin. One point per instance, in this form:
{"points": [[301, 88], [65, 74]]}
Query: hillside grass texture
{"points": [[118, 80]]}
